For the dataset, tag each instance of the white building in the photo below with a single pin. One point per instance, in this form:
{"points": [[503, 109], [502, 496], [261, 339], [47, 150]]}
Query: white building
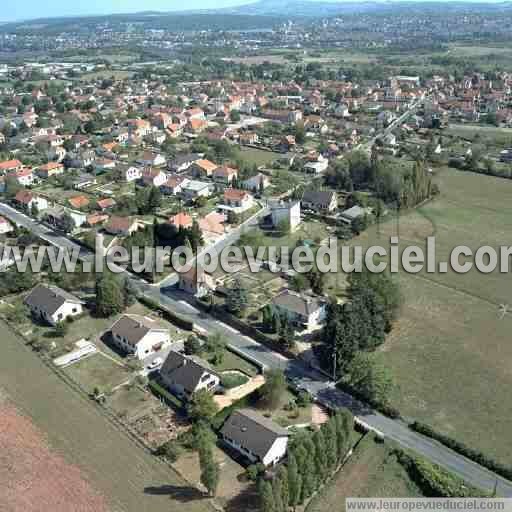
{"points": [[52, 304], [289, 212], [139, 336], [185, 375], [256, 437]]}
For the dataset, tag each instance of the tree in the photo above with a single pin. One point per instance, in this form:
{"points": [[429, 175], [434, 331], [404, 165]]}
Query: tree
{"points": [[294, 482], [282, 476], [216, 347], [277, 490], [61, 329], [67, 223], [234, 116], [129, 292], [210, 470], [202, 406], [299, 283], [331, 448], [321, 462], [192, 345], [343, 423], [109, 295], [272, 391], [237, 299], [370, 378], [267, 497]]}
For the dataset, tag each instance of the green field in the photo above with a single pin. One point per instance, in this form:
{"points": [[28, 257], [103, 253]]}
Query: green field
{"points": [[131, 479], [259, 156], [371, 471], [450, 351]]}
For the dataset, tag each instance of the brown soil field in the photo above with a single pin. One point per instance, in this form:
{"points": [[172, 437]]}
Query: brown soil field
{"points": [[33, 477]]}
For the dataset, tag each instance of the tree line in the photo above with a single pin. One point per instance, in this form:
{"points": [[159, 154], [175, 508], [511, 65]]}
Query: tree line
{"points": [[312, 458]]}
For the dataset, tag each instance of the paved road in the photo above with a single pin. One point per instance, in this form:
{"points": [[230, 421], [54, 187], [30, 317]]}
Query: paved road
{"points": [[298, 372]]}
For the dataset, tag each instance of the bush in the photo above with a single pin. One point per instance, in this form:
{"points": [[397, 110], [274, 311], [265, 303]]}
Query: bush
{"points": [[434, 481], [162, 393], [254, 472], [470, 453], [170, 450], [230, 381]]}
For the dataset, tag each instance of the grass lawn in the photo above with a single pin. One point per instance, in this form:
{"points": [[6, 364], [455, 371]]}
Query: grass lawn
{"points": [[450, 351], [233, 362], [129, 478], [287, 418], [97, 371], [259, 156], [130, 401], [371, 471]]}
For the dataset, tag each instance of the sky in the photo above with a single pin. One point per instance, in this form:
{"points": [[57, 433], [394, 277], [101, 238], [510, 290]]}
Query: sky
{"points": [[11, 10]]}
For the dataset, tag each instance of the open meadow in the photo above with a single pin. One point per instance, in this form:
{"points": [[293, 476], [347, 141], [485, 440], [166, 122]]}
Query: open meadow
{"points": [[372, 470], [450, 351]]}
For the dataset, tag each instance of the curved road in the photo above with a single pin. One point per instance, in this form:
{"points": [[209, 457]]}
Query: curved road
{"points": [[296, 371]]}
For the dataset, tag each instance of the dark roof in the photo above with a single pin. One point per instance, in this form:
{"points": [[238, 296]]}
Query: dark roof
{"points": [[185, 371], [299, 304], [133, 328], [253, 431], [317, 196], [183, 159], [49, 298]]}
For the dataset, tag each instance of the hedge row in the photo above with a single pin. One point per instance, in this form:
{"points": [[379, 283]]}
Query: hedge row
{"points": [[470, 453], [169, 315], [168, 398], [434, 481]]}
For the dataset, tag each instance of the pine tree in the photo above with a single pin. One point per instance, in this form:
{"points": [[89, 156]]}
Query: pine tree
{"points": [[267, 497], [331, 448], [321, 462], [278, 495], [282, 475], [294, 481]]}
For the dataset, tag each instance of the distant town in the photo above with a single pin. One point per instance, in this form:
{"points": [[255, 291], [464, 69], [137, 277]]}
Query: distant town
{"points": [[272, 390]]}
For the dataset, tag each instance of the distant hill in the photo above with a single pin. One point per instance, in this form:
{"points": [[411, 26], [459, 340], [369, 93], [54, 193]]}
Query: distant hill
{"points": [[183, 21]]}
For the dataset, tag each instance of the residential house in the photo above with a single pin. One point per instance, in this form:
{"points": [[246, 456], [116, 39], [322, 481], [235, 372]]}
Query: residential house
{"points": [[105, 204], [174, 185], [79, 202], [25, 177], [130, 173], [285, 212], [319, 200], [212, 226], [203, 168], [185, 375], [238, 200], [139, 336], [52, 304], [50, 169], [27, 199], [84, 181], [225, 175], [302, 311], [196, 282], [256, 437], [153, 177], [182, 162], [121, 226], [195, 189], [256, 183], [10, 166], [149, 159], [181, 220]]}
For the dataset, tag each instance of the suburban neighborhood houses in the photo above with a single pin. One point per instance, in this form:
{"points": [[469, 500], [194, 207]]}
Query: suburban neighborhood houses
{"points": [[134, 379]]}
